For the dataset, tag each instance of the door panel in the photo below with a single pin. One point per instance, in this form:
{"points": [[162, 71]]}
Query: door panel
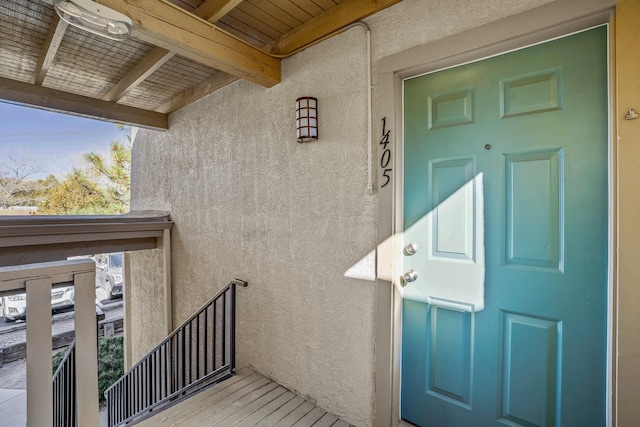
{"points": [[530, 369], [506, 177], [533, 199], [450, 237]]}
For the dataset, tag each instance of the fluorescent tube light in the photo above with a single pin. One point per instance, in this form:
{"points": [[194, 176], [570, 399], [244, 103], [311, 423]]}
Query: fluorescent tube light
{"points": [[95, 18]]}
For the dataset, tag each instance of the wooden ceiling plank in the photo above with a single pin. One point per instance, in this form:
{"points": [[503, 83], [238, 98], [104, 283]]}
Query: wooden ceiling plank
{"points": [[210, 85], [54, 100], [154, 60], [214, 10], [309, 6], [295, 10], [172, 28], [325, 4], [246, 33], [263, 16], [189, 5], [254, 24], [49, 48], [276, 12], [347, 12]]}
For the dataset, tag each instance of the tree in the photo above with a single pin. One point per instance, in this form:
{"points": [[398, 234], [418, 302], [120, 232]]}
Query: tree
{"points": [[116, 175], [101, 188], [16, 187], [76, 195]]}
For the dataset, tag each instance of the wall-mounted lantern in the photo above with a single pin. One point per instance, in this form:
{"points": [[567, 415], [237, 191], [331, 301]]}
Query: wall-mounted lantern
{"points": [[306, 119]]}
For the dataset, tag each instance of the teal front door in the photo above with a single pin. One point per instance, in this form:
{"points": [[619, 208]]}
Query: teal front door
{"points": [[505, 215]]}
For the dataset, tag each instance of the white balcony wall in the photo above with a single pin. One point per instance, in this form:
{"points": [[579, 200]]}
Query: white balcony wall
{"points": [[291, 219]]}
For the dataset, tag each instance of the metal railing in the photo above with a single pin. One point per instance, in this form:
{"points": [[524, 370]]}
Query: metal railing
{"points": [[65, 413], [199, 352], [64, 390]]}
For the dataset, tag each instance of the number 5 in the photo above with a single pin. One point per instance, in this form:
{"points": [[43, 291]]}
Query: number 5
{"points": [[386, 171]]}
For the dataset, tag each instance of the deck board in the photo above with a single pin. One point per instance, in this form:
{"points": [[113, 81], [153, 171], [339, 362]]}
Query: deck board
{"points": [[218, 414], [268, 409], [247, 399], [311, 418], [222, 390], [296, 415], [282, 412], [253, 406]]}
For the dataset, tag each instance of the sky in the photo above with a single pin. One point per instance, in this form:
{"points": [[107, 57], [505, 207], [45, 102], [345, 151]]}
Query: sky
{"points": [[52, 142]]}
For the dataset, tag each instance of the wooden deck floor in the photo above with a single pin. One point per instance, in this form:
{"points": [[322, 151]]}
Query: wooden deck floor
{"points": [[245, 400]]}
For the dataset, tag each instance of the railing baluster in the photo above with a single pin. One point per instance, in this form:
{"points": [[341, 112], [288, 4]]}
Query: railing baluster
{"points": [[142, 384], [197, 346], [162, 372], [187, 354], [232, 328], [215, 331], [224, 328], [135, 390], [139, 388], [167, 366], [147, 383], [154, 388]]}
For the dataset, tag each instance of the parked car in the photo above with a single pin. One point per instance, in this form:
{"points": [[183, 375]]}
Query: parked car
{"points": [[14, 307], [110, 273]]}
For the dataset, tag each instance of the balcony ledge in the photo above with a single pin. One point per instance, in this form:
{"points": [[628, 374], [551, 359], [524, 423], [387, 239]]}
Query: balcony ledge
{"points": [[32, 239]]}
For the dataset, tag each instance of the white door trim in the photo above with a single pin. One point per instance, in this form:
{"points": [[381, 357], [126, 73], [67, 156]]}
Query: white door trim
{"points": [[554, 20]]}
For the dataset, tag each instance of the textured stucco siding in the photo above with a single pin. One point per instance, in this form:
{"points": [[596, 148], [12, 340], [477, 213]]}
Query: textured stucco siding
{"points": [[413, 23], [249, 202]]}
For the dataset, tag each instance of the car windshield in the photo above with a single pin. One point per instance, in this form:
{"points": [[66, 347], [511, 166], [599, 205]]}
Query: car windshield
{"points": [[115, 260]]}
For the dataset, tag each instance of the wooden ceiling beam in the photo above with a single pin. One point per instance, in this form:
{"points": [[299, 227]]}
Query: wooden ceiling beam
{"points": [[49, 48], [214, 10], [163, 24], [345, 13], [204, 88], [149, 64], [54, 100]]}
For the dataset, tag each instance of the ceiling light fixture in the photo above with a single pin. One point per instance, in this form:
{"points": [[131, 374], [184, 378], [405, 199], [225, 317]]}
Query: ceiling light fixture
{"points": [[95, 18]]}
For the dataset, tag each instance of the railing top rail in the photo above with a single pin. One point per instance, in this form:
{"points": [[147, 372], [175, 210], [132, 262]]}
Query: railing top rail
{"points": [[236, 282], [64, 359], [9, 222], [14, 277]]}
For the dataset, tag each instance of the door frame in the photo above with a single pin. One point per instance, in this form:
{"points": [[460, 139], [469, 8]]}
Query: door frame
{"points": [[545, 23]]}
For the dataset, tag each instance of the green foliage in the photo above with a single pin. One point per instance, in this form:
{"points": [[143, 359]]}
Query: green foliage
{"points": [[76, 195], [116, 175], [57, 359], [101, 188], [110, 362]]}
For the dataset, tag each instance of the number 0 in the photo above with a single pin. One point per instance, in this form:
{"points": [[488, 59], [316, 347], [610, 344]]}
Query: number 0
{"points": [[384, 161]]}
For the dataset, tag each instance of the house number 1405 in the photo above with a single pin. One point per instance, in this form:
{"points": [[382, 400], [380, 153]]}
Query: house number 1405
{"points": [[385, 159]]}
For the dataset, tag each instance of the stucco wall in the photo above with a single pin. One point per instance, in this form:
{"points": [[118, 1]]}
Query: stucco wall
{"points": [[250, 202]]}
